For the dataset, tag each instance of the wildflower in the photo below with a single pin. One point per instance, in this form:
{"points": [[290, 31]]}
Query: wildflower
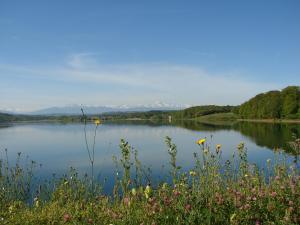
{"points": [[176, 193], [247, 206], [67, 217], [268, 161], [188, 207], [192, 173], [273, 194], [97, 122], [90, 221], [205, 151], [147, 191], [201, 141], [133, 191], [218, 147], [126, 201]]}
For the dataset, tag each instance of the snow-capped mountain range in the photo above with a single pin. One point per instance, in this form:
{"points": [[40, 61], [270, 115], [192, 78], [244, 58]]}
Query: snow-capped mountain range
{"points": [[76, 109]]}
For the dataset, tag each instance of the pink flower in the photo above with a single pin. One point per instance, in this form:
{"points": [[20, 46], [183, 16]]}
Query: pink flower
{"points": [[67, 217], [273, 194], [188, 207], [176, 193], [126, 201], [247, 206]]}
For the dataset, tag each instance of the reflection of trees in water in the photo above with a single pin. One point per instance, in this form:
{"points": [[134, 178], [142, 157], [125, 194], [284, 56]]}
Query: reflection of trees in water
{"points": [[5, 125], [188, 124], [270, 135], [202, 126]]}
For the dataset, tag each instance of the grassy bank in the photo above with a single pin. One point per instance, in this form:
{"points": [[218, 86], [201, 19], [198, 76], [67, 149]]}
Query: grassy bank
{"points": [[213, 192]]}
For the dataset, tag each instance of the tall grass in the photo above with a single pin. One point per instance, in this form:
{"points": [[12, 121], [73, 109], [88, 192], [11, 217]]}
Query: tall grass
{"points": [[213, 192]]}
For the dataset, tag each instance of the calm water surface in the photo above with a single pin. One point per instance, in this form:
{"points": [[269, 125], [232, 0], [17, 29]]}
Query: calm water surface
{"points": [[59, 146]]}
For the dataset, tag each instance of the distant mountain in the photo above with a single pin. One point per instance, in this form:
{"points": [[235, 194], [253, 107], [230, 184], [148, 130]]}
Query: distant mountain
{"points": [[76, 109]]}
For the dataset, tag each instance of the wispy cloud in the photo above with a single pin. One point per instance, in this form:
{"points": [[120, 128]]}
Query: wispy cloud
{"points": [[134, 83]]}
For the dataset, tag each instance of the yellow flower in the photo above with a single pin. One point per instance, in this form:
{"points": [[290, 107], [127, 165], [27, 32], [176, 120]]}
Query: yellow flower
{"points": [[218, 148], [192, 173], [147, 191], [205, 151], [201, 141], [97, 122]]}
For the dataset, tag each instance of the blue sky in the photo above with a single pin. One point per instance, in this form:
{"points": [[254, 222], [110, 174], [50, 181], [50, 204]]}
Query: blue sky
{"points": [[55, 53]]}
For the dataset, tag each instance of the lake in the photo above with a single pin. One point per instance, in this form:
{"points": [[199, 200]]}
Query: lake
{"points": [[61, 146]]}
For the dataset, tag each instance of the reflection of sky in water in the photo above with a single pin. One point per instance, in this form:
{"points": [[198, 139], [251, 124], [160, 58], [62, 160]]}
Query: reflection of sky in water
{"points": [[57, 147]]}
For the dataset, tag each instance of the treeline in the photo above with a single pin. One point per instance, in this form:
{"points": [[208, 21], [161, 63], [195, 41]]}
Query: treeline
{"points": [[189, 113], [150, 115], [283, 104], [198, 111], [4, 117]]}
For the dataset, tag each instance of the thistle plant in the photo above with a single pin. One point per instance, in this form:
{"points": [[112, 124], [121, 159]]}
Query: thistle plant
{"points": [[126, 164], [172, 150]]}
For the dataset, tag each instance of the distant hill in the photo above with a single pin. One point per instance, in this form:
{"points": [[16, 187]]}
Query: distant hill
{"points": [[198, 111], [93, 110], [5, 117], [284, 104]]}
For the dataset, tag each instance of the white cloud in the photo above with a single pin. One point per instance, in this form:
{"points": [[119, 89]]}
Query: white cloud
{"points": [[139, 83]]}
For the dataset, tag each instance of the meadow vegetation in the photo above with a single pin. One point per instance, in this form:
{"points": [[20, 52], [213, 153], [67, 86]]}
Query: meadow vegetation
{"points": [[215, 191]]}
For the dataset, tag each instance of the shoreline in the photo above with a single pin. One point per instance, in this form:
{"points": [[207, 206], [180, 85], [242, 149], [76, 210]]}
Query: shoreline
{"points": [[269, 120]]}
